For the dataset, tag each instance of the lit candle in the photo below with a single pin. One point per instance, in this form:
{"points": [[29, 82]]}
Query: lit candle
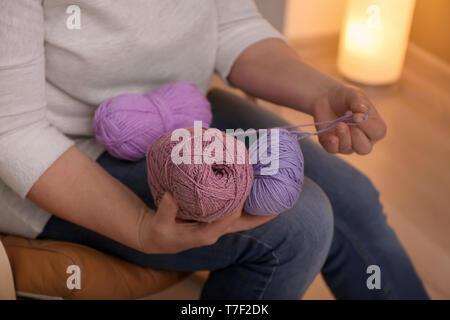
{"points": [[374, 39]]}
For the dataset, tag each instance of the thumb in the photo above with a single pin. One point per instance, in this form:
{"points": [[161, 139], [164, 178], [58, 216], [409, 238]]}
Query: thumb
{"points": [[167, 209]]}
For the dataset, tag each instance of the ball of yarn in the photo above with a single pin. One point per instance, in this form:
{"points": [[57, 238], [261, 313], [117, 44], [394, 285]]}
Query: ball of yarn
{"points": [[204, 192], [128, 124], [278, 192]]}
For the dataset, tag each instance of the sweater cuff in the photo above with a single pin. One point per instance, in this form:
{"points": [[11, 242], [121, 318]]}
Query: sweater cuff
{"points": [[235, 40], [27, 154]]}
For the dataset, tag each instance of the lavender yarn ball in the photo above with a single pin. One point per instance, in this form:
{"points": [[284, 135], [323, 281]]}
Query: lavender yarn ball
{"points": [[204, 192], [272, 194], [128, 124]]}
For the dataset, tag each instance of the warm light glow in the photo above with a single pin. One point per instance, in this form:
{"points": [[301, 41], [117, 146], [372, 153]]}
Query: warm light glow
{"points": [[359, 38], [374, 39]]}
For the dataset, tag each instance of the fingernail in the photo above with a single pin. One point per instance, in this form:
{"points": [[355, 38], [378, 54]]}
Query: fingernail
{"points": [[358, 117], [364, 108]]}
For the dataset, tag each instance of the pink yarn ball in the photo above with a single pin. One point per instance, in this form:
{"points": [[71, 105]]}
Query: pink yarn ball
{"points": [[128, 124], [203, 192]]}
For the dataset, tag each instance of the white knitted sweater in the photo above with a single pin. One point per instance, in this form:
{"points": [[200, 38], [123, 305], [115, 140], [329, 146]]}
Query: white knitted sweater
{"points": [[60, 58]]}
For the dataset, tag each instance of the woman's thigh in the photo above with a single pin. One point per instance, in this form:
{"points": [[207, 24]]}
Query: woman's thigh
{"points": [[304, 229]]}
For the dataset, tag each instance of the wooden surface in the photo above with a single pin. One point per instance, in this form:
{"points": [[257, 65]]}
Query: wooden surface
{"points": [[410, 167]]}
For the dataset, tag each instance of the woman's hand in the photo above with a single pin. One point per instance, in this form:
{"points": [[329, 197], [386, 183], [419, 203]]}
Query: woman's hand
{"points": [[343, 138], [286, 80], [161, 232]]}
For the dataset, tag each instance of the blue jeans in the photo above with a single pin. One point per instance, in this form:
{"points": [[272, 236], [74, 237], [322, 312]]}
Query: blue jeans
{"points": [[337, 226]]}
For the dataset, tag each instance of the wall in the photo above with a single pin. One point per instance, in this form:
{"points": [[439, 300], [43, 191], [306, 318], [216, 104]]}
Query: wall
{"points": [[312, 18], [431, 27], [273, 11]]}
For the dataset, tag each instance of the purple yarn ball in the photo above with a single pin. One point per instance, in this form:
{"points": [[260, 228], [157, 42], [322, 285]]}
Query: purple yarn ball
{"points": [[128, 124], [277, 192]]}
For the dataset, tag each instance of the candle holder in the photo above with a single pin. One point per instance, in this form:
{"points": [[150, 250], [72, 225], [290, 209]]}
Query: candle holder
{"points": [[374, 39]]}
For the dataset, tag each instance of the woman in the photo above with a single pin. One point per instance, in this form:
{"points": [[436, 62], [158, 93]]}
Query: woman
{"points": [[52, 77]]}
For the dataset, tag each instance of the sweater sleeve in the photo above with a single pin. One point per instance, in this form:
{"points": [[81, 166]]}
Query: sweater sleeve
{"points": [[240, 26], [29, 144]]}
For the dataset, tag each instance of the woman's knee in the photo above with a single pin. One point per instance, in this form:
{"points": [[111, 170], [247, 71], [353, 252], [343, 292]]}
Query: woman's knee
{"points": [[306, 230], [359, 203], [363, 188], [351, 193], [314, 215]]}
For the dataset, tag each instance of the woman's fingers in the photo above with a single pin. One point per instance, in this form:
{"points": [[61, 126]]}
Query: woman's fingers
{"points": [[219, 226], [248, 221], [167, 209], [361, 144], [329, 139], [345, 138], [374, 127], [209, 233]]}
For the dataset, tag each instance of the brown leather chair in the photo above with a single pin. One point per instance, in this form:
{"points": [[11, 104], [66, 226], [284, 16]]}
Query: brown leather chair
{"points": [[40, 270]]}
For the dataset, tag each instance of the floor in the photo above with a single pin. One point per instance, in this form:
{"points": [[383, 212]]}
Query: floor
{"points": [[410, 166]]}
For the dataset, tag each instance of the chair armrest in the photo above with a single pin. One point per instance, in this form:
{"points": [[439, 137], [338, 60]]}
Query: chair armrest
{"points": [[41, 270]]}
